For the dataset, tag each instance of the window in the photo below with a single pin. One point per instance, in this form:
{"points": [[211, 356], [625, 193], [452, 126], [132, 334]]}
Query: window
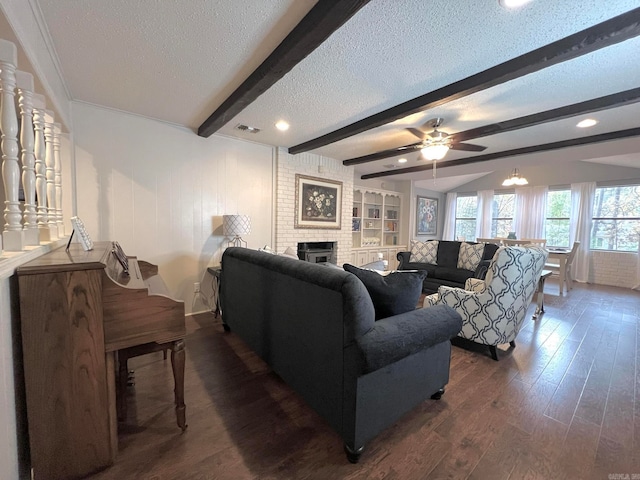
{"points": [[502, 214], [557, 221], [616, 218], [466, 210]]}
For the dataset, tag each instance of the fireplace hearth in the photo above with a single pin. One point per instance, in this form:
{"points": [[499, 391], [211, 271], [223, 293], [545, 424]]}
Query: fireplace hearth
{"points": [[318, 252]]}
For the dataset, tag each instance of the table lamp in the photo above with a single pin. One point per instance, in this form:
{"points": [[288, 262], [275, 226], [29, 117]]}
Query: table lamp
{"points": [[235, 226]]}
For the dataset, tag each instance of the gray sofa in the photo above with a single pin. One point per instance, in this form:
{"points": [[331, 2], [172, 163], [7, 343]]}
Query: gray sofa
{"points": [[446, 271], [314, 326]]}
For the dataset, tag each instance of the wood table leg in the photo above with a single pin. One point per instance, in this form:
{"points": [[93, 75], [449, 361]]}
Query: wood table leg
{"points": [[177, 363]]}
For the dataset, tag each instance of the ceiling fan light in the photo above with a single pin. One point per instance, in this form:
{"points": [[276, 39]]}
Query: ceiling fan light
{"points": [[434, 152], [507, 183]]}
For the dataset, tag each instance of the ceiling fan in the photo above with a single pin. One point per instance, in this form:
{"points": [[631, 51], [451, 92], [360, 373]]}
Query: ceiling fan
{"points": [[436, 143]]}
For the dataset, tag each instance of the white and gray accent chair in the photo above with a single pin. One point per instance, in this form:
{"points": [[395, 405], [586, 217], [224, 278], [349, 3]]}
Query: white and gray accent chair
{"points": [[494, 309]]}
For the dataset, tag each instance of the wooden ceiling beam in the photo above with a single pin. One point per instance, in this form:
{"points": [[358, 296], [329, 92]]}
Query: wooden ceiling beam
{"points": [[614, 100], [316, 26], [612, 31], [574, 142]]}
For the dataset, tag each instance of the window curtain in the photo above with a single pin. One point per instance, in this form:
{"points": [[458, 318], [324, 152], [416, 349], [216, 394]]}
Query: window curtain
{"points": [[449, 229], [530, 212], [582, 198], [637, 285], [484, 214]]}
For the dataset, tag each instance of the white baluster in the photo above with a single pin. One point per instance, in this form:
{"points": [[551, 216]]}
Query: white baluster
{"points": [[24, 81], [58, 177], [49, 162], [12, 236], [41, 180]]}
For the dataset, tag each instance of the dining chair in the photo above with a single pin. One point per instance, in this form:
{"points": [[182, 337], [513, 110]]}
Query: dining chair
{"points": [[555, 266]]}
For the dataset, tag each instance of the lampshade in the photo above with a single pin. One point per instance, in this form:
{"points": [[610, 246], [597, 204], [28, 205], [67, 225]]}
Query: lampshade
{"points": [[236, 225], [435, 151], [515, 179]]}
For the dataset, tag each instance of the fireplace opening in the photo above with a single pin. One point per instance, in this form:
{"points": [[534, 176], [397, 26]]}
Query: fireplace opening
{"points": [[318, 252]]}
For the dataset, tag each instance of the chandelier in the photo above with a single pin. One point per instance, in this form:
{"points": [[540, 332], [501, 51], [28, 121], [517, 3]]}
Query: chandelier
{"points": [[515, 179]]}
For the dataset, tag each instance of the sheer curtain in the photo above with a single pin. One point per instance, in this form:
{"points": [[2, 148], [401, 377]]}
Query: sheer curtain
{"points": [[582, 198], [484, 214], [449, 229], [637, 285], [531, 211]]}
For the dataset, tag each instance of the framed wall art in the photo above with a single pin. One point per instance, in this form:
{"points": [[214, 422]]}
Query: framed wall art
{"points": [[426, 216], [318, 202]]}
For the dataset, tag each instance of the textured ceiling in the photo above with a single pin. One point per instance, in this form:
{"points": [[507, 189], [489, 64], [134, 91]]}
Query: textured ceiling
{"points": [[178, 60]]}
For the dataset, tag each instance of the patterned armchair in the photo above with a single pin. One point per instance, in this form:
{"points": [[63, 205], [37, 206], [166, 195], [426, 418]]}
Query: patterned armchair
{"points": [[493, 309]]}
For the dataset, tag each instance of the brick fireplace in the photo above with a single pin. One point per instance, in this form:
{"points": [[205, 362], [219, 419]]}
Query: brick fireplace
{"points": [[286, 235], [318, 252]]}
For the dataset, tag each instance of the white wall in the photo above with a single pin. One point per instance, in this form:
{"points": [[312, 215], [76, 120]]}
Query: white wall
{"points": [[159, 190]]}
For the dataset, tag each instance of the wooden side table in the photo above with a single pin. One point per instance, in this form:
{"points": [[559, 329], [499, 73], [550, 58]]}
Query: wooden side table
{"points": [[216, 274]]}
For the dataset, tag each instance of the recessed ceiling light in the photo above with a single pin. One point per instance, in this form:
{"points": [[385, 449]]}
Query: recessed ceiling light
{"points": [[587, 122], [282, 126], [402, 160], [512, 3]]}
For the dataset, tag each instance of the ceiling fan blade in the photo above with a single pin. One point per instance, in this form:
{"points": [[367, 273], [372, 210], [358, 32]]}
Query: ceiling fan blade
{"points": [[467, 147], [421, 135]]}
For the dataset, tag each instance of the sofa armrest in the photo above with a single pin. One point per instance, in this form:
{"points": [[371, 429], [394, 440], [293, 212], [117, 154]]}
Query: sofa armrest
{"points": [[394, 338], [475, 285], [482, 269], [403, 258]]}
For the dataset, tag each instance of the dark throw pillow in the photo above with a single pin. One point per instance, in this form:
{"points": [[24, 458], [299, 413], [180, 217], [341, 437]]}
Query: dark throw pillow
{"points": [[392, 294]]}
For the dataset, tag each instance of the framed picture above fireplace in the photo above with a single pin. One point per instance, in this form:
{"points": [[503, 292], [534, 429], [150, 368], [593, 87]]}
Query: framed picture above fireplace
{"points": [[318, 202]]}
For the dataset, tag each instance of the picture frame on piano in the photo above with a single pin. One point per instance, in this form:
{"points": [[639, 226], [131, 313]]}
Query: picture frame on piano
{"points": [[117, 251], [83, 235]]}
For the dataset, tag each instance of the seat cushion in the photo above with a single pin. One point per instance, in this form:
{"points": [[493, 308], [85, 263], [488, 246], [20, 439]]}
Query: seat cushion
{"points": [[392, 294], [457, 275]]}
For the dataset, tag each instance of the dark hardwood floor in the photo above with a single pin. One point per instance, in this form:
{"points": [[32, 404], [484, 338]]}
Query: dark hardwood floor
{"points": [[561, 405]]}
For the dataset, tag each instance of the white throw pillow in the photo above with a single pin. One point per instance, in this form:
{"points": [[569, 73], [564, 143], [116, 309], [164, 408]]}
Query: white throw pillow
{"points": [[470, 255], [424, 252], [289, 252]]}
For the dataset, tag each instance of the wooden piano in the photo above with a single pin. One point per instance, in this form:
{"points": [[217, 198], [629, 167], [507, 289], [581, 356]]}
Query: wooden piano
{"points": [[77, 309]]}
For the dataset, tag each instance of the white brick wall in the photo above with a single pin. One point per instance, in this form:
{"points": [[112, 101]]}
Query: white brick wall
{"points": [[308, 164], [614, 268]]}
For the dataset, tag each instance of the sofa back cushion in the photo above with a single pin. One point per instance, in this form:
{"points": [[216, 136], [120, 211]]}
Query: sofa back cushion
{"points": [[424, 252], [392, 294], [470, 255], [448, 253]]}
